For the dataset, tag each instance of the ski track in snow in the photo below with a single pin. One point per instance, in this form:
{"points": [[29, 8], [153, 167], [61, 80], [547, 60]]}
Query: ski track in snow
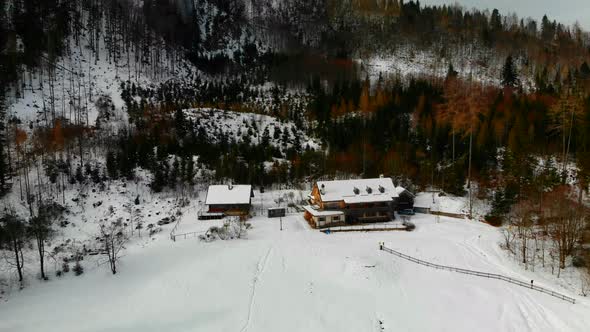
{"points": [[260, 268]]}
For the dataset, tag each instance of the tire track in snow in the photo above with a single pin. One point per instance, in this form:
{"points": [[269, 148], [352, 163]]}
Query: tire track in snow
{"points": [[260, 268]]}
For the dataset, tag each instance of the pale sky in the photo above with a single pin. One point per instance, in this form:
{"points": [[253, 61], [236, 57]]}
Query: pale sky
{"points": [[564, 11]]}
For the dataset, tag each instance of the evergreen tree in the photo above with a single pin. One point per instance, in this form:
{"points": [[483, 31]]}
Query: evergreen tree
{"points": [[79, 175], [585, 70], [112, 167], [95, 174], [286, 138], [190, 170], [509, 75], [174, 173], [159, 177], [180, 123], [265, 138], [451, 72], [496, 21]]}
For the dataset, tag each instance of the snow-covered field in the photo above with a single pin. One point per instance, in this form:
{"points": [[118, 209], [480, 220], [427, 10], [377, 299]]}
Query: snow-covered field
{"points": [[300, 279]]}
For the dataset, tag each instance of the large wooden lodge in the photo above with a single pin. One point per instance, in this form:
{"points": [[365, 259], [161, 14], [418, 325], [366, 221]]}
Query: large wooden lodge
{"points": [[342, 202]]}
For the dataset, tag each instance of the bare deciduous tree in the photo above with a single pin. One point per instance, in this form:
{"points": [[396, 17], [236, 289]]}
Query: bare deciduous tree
{"points": [[565, 221], [521, 219], [13, 238], [112, 234], [41, 229]]}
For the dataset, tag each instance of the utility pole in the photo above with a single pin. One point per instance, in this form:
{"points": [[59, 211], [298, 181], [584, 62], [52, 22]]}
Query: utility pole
{"points": [[281, 222]]}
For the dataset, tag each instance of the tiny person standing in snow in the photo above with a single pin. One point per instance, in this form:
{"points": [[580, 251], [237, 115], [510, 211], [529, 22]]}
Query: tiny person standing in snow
{"points": [[532, 283]]}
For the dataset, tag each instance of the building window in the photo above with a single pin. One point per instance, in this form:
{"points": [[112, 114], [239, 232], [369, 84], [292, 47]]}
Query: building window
{"points": [[336, 218], [321, 219]]}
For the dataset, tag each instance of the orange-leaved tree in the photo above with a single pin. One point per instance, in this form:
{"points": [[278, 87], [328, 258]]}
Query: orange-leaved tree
{"points": [[464, 104]]}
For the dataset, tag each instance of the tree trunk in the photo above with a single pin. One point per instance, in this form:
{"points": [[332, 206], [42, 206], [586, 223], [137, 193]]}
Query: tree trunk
{"points": [[469, 174], [41, 250], [17, 257], [569, 139]]}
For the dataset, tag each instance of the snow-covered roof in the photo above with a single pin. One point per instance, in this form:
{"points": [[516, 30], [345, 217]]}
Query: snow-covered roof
{"points": [[362, 198], [369, 190], [321, 213], [226, 194]]}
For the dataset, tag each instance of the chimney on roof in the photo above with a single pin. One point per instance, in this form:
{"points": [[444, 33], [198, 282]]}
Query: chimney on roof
{"points": [[356, 190], [381, 176], [230, 186]]}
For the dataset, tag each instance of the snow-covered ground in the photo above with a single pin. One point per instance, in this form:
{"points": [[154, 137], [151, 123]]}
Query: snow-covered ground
{"points": [[300, 279], [85, 85], [446, 203], [471, 62], [238, 125]]}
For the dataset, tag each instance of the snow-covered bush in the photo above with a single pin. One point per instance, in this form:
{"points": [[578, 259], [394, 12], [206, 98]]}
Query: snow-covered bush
{"points": [[235, 229], [409, 226], [578, 261]]}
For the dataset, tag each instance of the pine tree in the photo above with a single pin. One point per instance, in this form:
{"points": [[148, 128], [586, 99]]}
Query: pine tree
{"points": [[174, 173], [112, 167], [496, 21], [190, 170], [451, 72], [79, 175], [509, 75], [585, 70], [277, 133], [286, 138], [265, 138]]}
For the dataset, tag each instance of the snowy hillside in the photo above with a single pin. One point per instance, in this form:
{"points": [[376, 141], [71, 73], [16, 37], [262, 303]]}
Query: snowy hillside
{"points": [[238, 126], [471, 62], [300, 279], [84, 86]]}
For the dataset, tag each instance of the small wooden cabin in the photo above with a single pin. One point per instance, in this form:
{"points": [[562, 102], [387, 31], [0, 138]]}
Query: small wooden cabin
{"points": [[276, 212], [231, 200], [319, 219]]}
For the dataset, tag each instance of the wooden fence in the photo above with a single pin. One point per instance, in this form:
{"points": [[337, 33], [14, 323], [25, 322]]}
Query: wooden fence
{"points": [[479, 274], [364, 228], [185, 236]]}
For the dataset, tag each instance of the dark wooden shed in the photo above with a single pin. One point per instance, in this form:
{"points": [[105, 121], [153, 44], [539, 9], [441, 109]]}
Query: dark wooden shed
{"points": [[276, 212]]}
